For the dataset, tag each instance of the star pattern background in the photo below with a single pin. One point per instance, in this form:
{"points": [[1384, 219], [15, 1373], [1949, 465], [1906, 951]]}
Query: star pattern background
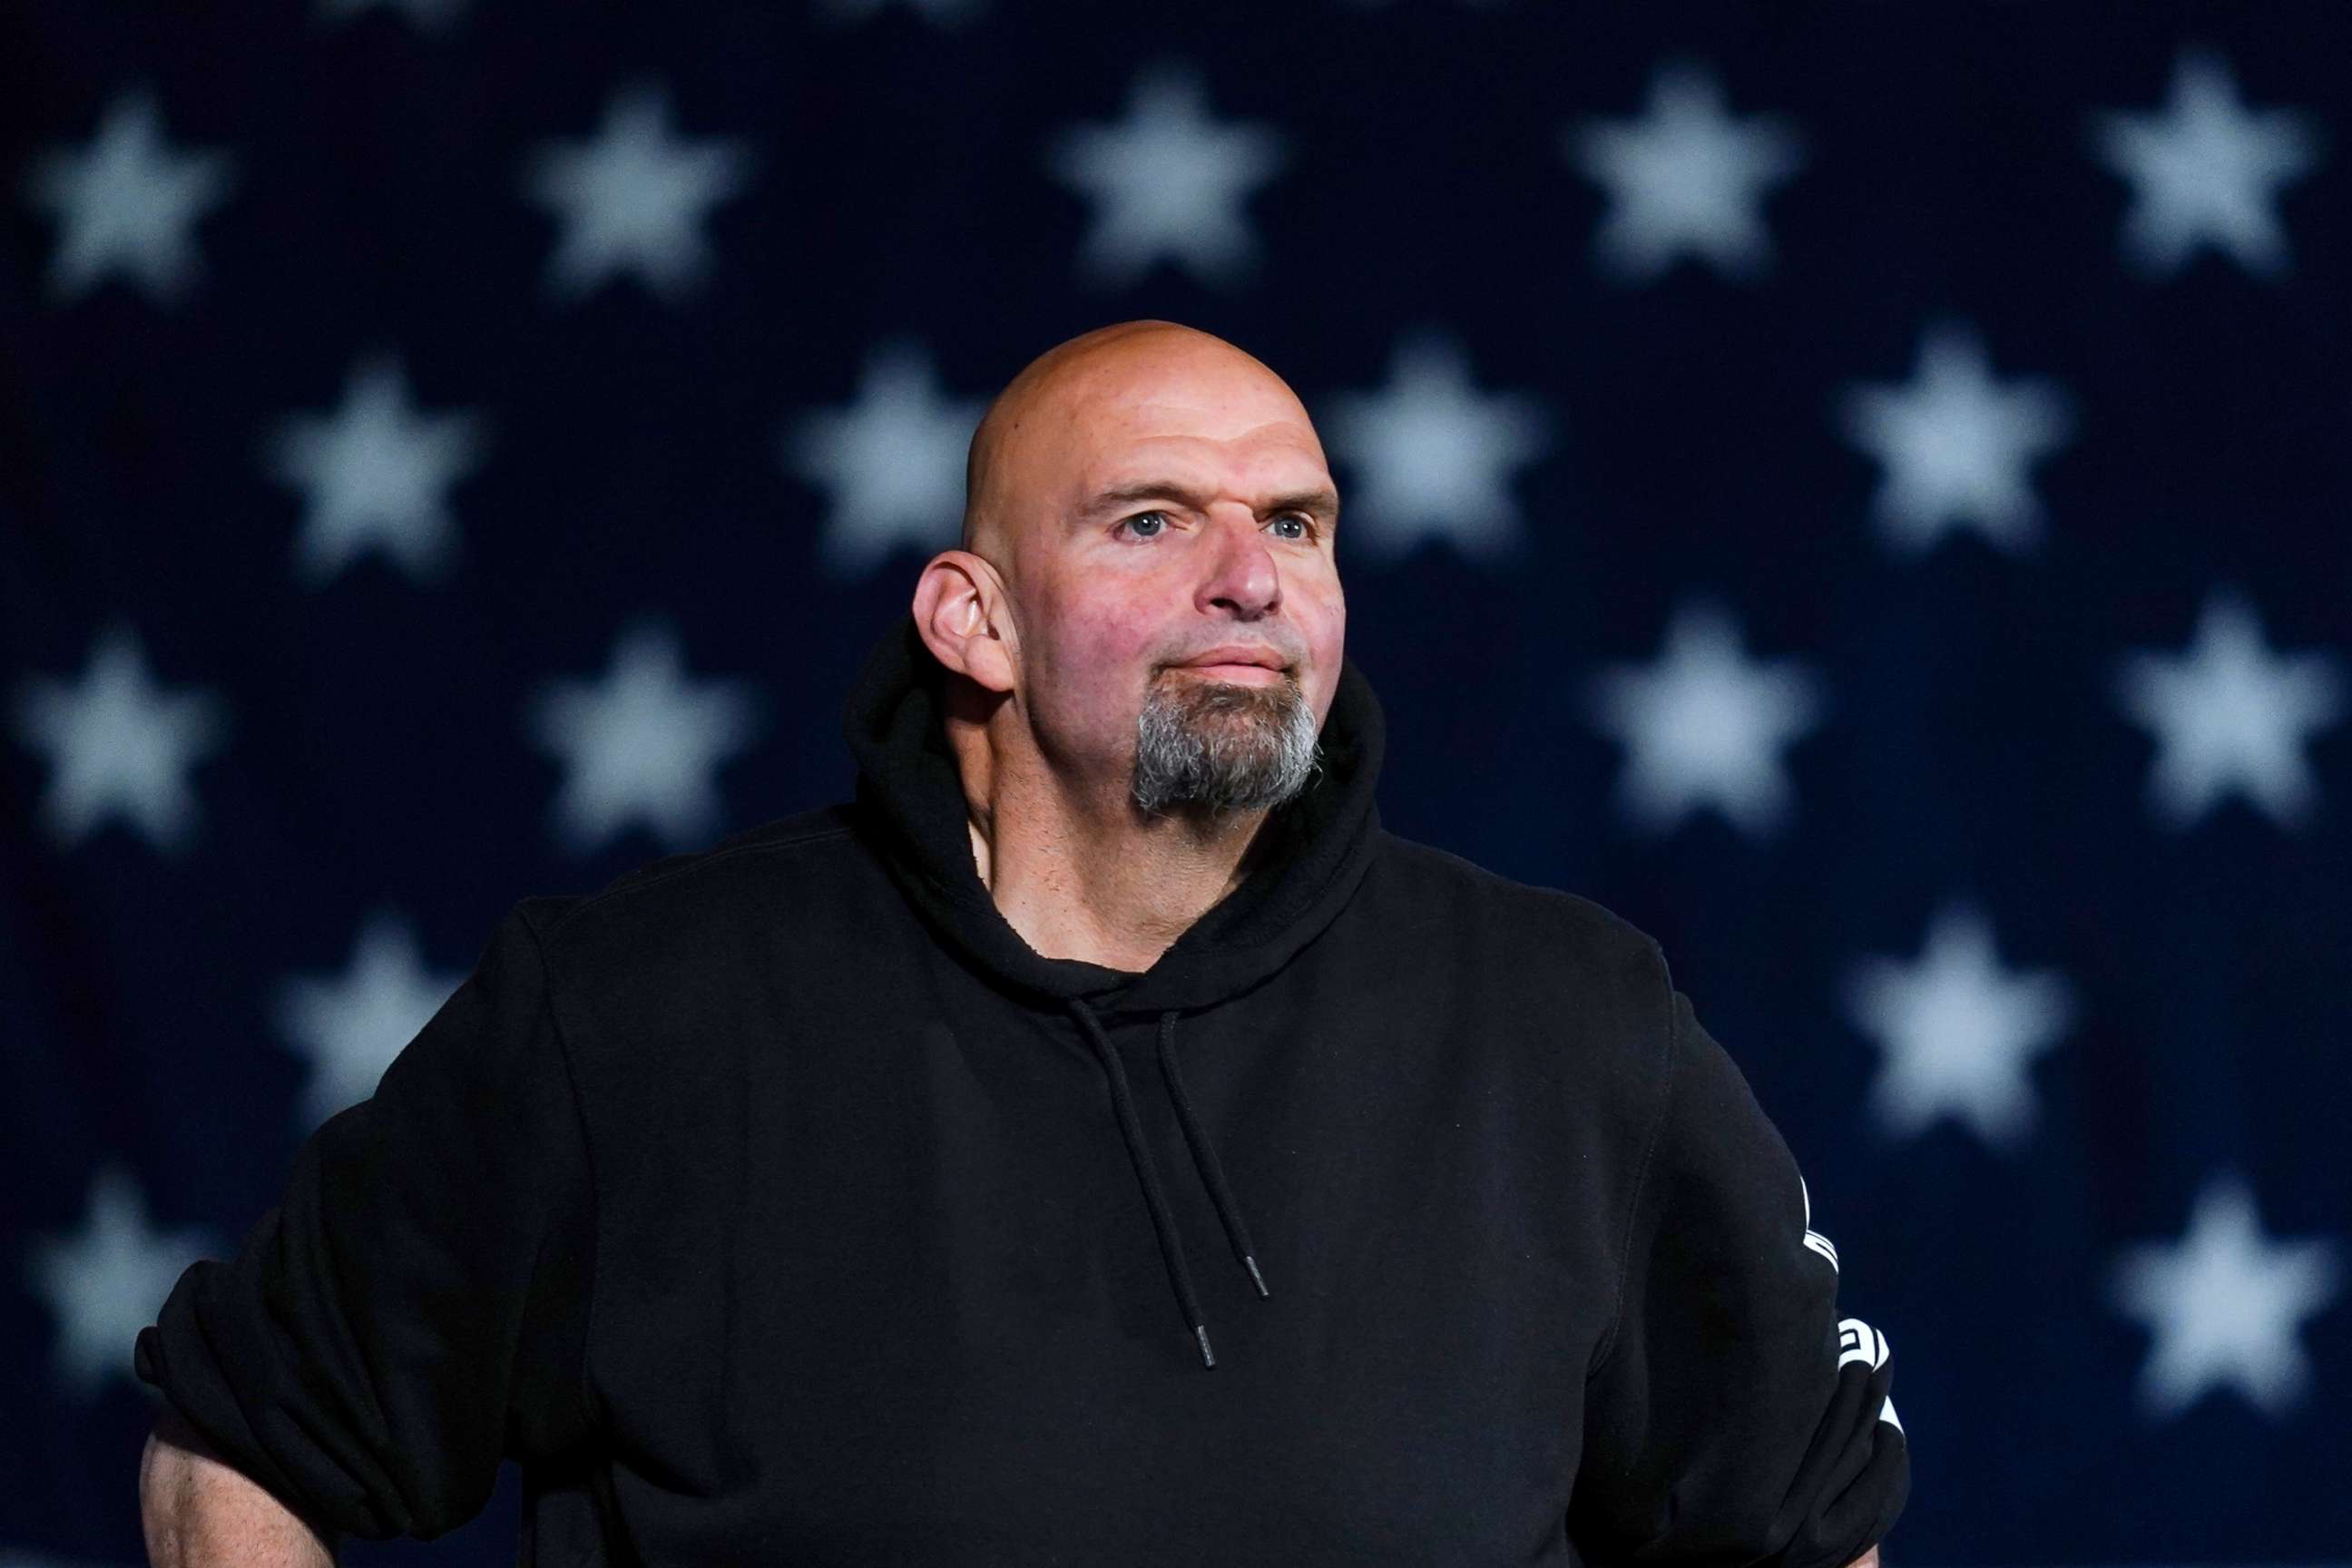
{"points": [[1860, 491]]}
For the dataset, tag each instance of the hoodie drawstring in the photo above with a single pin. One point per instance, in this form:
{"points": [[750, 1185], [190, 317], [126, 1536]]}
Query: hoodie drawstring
{"points": [[1204, 1158]]}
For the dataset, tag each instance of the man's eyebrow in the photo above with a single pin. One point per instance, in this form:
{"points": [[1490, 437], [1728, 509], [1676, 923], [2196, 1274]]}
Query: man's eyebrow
{"points": [[1321, 501]]}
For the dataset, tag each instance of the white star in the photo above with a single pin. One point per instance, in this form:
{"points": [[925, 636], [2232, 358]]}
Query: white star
{"points": [[1957, 1031], [121, 745], [894, 461], [431, 15], [1169, 181], [1684, 178], [1957, 446], [2228, 715], [108, 1280], [376, 475], [1705, 725], [1431, 455], [2206, 170], [2225, 1306], [642, 746], [351, 1027], [635, 199], [126, 203]]}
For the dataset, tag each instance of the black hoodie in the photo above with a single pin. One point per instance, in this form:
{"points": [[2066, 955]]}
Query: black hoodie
{"points": [[779, 1204]]}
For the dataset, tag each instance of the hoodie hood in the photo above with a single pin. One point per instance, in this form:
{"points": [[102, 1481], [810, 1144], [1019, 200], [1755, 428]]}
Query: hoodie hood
{"points": [[911, 805], [911, 810]]}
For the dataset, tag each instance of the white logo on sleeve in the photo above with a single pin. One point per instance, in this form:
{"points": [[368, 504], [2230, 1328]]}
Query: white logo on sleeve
{"points": [[1814, 1238], [1858, 1342]]}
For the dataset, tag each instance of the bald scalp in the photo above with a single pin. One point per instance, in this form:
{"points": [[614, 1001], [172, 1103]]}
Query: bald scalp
{"points": [[1043, 395]]}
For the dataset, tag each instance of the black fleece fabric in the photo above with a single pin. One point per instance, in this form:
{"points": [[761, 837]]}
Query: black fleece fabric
{"points": [[778, 1204]]}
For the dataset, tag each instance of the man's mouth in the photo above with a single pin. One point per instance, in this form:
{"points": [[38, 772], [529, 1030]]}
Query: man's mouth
{"points": [[1252, 664], [1245, 674]]}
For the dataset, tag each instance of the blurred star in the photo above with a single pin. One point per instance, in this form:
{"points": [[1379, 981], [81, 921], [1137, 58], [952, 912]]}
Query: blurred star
{"points": [[1957, 1031], [1433, 457], [641, 745], [352, 1025], [375, 475], [1167, 182], [634, 198], [2231, 716], [1956, 446], [126, 203], [893, 461], [1684, 179], [2224, 1305], [2206, 170], [108, 1280], [1705, 725], [120, 745]]}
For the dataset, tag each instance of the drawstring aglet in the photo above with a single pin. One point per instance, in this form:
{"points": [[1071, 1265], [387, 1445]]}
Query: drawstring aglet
{"points": [[1252, 1262], [1201, 1332]]}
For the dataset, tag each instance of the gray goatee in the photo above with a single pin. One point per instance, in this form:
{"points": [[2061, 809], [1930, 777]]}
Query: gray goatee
{"points": [[1220, 745]]}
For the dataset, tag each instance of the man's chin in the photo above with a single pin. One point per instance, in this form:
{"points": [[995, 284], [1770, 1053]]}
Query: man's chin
{"points": [[1228, 742]]}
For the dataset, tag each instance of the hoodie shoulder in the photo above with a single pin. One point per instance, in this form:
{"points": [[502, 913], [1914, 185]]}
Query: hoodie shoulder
{"points": [[1594, 984], [783, 834], [1570, 926], [690, 904]]}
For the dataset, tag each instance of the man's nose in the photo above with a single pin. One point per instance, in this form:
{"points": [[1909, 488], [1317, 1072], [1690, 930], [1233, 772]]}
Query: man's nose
{"points": [[1242, 575]]}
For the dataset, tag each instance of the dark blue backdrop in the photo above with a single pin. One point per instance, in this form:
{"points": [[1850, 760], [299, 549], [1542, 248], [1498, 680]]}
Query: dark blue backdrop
{"points": [[1860, 491]]}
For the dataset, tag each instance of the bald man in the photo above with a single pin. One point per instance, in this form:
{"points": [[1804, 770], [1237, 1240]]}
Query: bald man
{"points": [[853, 1191], [1146, 623]]}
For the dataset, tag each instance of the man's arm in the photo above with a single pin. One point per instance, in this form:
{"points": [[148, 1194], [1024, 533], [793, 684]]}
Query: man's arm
{"points": [[197, 1512], [414, 1312], [1733, 1414]]}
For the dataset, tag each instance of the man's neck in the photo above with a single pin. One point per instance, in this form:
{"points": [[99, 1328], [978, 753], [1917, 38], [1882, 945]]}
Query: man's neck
{"points": [[1096, 879]]}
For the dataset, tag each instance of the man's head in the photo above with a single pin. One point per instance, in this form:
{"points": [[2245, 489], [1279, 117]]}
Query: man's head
{"points": [[1136, 498]]}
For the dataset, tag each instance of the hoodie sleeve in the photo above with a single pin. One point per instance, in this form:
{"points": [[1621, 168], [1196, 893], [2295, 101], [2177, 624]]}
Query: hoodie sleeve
{"points": [[415, 1308], [1732, 1416]]}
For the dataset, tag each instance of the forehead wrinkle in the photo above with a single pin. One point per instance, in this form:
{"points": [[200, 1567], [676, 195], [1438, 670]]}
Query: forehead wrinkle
{"points": [[1267, 472], [1106, 377], [1177, 453]]}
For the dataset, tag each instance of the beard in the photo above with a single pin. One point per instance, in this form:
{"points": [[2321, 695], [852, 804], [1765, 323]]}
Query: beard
{"points": [[1217, 746]]}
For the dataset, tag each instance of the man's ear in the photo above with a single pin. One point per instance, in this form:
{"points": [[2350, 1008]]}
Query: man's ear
{"points": [[962, 612]]}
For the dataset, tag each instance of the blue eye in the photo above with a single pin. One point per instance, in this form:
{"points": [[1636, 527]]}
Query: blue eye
{"points": [[1159, 523]]}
